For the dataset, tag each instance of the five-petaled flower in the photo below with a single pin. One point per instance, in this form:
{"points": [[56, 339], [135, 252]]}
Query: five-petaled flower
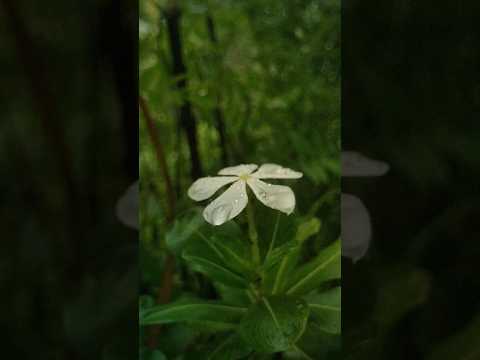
{"points": [[235, 198]]}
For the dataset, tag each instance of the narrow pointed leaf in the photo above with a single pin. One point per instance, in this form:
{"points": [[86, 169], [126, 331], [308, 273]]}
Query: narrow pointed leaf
{"points": [[308, 229], [326, 266], [210, 312], [232, 257], [216, 271], [325, 309], [230, 348], [279, 253], [278, 274]]}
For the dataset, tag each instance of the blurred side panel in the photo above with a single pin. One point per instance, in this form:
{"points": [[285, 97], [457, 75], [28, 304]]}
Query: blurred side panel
{"points": [[68, 159], [410, 135]]}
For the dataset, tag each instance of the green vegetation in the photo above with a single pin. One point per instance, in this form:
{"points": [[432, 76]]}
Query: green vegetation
{"points": [[224, 83]]}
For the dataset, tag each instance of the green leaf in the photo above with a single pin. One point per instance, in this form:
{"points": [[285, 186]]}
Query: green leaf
{"points": [[284, 225], [232, 257], [276, 277], [230, 348], [325, 309], [274, 324], [210, 312], [145, 303], [326, 266], [220, 254], [183, 230], [308, 229], [216, 271], [233, 296], [318, 343], [279, 253]]}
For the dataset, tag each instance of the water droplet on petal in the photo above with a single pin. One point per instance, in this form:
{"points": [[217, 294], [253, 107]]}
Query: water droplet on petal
{"points": [[263, 195], [221, 214]]}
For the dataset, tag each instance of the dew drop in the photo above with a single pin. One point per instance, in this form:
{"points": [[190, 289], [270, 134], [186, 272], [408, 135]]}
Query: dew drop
{"points": [[221, 214], [263, 195]]}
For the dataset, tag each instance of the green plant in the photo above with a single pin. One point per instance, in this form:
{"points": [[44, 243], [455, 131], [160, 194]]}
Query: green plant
{"points": [[269, 299]]}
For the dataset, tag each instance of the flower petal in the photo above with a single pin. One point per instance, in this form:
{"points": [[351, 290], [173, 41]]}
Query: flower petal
{"points": [[244, 169], [274, 171], [205, 187], [127, 206], [228, 205], [356, 164], [356, 227], [277, 197]]}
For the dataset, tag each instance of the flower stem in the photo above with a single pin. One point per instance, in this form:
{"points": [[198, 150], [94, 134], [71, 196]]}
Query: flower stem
{"points": [[252, 232], [274, 235]]}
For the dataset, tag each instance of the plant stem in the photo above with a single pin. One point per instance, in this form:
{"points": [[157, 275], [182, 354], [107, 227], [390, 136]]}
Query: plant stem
{"points": [[186, 116], [274, 235], [160, 154], [165, 290], [252, 232]]}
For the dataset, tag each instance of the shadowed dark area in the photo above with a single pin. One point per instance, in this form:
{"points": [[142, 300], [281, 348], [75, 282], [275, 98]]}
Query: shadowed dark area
{"points": [[411, 98], [69, 145]]}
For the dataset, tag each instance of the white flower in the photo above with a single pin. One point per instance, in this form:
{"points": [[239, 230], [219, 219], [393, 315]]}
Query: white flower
{"points": [[235, 199], [356, 223], [127, 206]]}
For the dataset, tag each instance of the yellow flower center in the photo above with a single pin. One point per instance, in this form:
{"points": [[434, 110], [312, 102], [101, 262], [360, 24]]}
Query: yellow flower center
{"points": [[244, 177]]}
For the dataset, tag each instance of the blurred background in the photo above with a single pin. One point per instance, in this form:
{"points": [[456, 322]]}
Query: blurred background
{"points": [[69, 150], [224, 83], [411, 98]]}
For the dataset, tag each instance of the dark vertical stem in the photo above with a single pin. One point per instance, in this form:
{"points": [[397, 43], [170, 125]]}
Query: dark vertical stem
{"points": [[179, 71], [178, 169], [218, 113], [160, 154], [165, 291]]}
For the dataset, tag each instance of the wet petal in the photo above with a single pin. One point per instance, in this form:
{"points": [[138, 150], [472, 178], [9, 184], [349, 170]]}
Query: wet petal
{"points": [[205, 187], [127, 206], [244, 169], [356, 228], [356, 164], [273, 171], [228, 205], [277, 197]]}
